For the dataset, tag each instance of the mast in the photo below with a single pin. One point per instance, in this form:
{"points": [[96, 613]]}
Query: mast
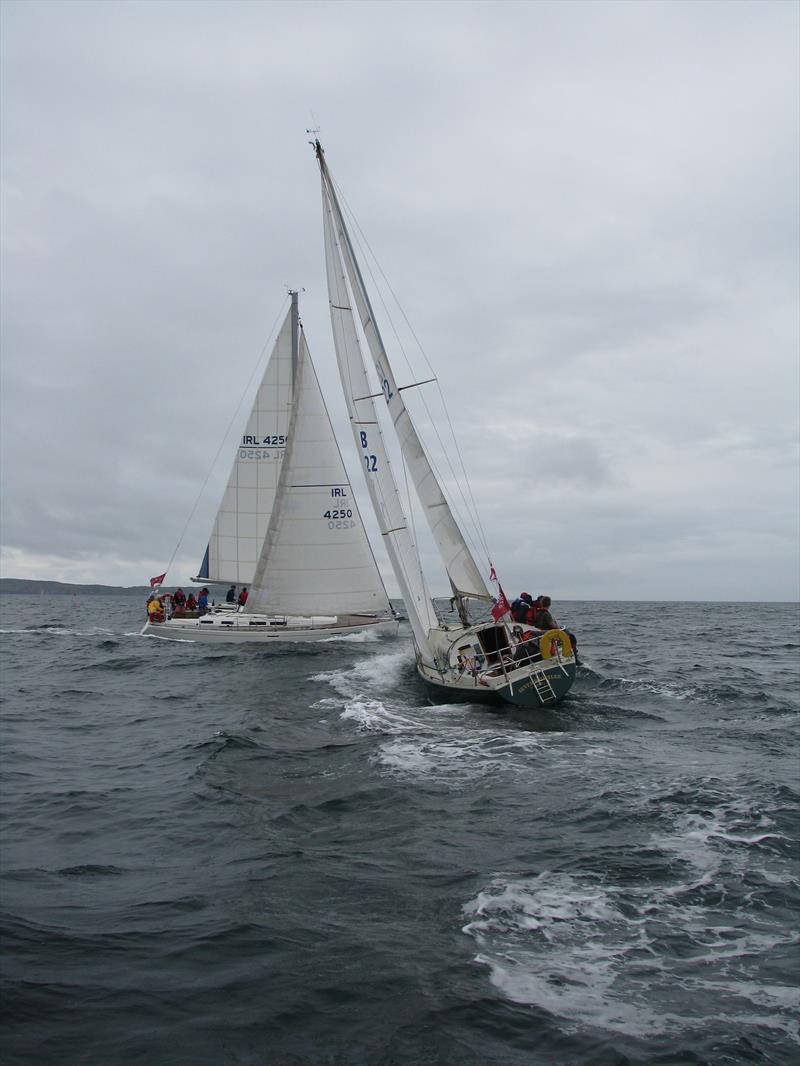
{"points": [[465, 578], [295, 319], [393, 524]]}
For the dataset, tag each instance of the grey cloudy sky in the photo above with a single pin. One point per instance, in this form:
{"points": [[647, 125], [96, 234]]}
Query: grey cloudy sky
{"points": [[589, 212]]}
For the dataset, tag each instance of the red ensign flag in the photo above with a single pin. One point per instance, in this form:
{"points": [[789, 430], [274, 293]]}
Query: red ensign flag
{"points": [[157, 580], [501, 605]]}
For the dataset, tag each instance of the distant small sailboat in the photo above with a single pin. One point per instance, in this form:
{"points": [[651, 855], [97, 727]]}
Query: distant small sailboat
{"points": [[288, 526], [516, 663]]}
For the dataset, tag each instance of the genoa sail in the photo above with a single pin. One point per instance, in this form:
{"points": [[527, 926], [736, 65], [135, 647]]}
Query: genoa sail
{"points": [[316, 558]]}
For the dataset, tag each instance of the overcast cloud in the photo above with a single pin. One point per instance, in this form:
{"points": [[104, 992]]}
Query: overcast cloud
{"points": [[589, 213]]}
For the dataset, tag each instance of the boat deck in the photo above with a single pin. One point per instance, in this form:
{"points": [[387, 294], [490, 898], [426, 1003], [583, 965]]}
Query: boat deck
{"points": [[229, 627]]}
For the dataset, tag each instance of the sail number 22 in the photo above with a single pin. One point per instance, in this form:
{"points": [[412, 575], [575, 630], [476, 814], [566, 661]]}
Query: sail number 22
{"points": [[370, 460]]}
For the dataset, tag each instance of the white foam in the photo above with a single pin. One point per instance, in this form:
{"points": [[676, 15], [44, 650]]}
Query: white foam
{"points": [[367, 636], [660, 688], [374, 717], [456, 754], [593, 952], [701, 839], [559, 944], [378, 674]]}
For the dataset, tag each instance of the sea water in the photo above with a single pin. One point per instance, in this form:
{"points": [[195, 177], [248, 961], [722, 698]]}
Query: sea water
{"points": [[222, 855]]}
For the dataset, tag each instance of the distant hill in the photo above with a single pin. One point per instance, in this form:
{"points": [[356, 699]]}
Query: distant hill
{"points": [[22, 587]]}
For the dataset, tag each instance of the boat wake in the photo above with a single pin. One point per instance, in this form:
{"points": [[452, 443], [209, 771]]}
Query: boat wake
{"points": [[451, 743], [375, 675]]}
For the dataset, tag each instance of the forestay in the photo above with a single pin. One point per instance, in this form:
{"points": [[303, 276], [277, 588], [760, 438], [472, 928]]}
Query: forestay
{"points": [[243, 517], [316, 559], [459, 563]]}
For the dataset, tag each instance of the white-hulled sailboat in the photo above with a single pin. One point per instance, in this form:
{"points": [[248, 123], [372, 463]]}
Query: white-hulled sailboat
{"points": [[511, 661], [288, 526]]}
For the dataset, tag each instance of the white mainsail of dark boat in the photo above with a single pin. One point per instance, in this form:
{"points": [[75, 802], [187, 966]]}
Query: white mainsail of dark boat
{"points": [[512, 661], [288, 525]]}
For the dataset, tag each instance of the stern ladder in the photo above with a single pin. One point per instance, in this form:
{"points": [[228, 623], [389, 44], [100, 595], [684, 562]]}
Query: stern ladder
{"points": [[544, 690]]}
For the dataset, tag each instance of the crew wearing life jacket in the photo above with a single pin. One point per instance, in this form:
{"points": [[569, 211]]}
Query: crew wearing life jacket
{"points": [[536, 613], [525, 609], [155, 611], [527, 646], [179, 602]]}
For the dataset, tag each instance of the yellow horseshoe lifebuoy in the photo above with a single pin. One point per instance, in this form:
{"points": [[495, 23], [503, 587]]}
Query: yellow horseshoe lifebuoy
{"points": [[548, 641]]}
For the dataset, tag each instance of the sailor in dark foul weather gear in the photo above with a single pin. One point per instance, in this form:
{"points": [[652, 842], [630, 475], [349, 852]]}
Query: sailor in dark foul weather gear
{"points": [[523, 609], [546, 621]]}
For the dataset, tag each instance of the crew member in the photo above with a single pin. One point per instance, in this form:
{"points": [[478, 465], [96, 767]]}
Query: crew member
{"points": [[155, 611], [548, 622]]}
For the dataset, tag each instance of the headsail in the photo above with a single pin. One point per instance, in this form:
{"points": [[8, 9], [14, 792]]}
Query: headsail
{"points": [[316, 557], [243, 516], [462, 570], [394, 526]]}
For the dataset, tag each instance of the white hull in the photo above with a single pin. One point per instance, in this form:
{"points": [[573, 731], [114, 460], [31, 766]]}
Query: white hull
{"points": [[258, 630]]}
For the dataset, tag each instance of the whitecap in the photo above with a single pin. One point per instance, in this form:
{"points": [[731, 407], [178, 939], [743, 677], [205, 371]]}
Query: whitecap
{"points": [[368, 636], [374, 717], [459, 755], [591, 953]]}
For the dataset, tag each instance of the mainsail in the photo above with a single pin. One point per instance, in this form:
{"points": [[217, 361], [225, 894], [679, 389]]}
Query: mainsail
{"points": [[243, 516], [316, 558], [462, 570], [394, 527]]}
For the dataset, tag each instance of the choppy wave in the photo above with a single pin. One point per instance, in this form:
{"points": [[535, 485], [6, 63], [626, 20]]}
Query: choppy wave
{"points": [[304, 832], [690, 945], [626, 958]]}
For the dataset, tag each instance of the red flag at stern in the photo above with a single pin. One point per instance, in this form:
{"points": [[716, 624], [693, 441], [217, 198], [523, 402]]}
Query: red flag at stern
{"points": [[155, 581]]}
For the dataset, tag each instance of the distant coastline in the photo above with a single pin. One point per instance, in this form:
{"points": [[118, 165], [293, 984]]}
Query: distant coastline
{"points": [[24, 587], [19, 586]]}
